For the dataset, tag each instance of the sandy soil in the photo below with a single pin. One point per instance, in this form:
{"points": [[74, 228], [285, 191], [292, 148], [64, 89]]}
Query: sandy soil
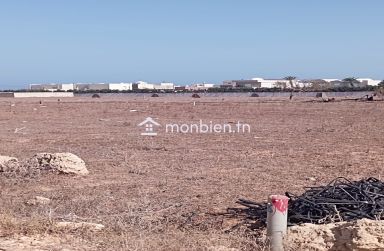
{"points": [[159, 193]]}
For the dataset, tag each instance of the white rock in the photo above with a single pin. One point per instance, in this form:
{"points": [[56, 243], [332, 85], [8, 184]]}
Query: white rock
{"points": [[62, 162], [8, 163]]}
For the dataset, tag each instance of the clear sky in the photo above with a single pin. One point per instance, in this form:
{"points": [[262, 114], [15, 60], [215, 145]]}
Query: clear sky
{"points": [[186, 41]]}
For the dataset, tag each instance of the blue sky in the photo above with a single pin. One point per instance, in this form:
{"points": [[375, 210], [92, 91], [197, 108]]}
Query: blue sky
{"points": [[188, 41]]}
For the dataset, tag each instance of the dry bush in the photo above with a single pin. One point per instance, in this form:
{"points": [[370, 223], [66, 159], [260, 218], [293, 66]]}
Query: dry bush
{"points": [[33, 225]]}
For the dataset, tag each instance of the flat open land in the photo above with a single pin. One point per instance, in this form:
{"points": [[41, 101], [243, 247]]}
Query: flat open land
{"points": [[164, 192]]}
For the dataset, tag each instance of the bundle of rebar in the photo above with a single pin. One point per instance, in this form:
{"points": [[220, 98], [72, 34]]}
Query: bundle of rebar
{"points": [[340, 200]]}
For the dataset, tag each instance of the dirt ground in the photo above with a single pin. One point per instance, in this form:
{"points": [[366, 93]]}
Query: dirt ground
{"points": [[163, 192]]}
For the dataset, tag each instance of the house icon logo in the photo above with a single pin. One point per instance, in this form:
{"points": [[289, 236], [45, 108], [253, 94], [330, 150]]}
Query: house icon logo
{"points": [[149, 124]]}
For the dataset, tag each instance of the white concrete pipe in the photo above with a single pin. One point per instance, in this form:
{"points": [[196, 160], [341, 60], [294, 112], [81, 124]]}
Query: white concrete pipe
{"points": [[277, 218]]}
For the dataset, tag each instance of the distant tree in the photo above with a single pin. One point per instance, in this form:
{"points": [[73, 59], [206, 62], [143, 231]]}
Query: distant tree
{"points": [[379, 89], [291, 85], [290, 79], [351, 81], [281, 84], [318, 84]]}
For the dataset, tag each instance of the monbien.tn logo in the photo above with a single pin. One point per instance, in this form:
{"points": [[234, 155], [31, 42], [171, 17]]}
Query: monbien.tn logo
{"points": [[149, 125]]}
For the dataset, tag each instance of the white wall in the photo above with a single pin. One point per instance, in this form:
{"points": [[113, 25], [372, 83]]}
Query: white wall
{"points": [[43, 94]]}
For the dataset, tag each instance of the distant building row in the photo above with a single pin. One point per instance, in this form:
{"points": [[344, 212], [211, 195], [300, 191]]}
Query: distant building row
{"points": [[140, 85], [250, 83], [295, 83]]}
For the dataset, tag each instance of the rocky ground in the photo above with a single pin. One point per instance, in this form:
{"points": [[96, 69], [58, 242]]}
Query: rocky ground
{"points": [[346, 236], [166, 192]]}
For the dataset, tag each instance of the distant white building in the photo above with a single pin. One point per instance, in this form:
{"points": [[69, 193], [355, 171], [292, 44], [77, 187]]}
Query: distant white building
{"points": [[329, 80], [51, 87], [141, 85], [91, 86], [44, 87], [165, 86], [364, 81], [67, 87], [120, 86], [302, 84], [369, 81], [272, 83], [200, 86]]}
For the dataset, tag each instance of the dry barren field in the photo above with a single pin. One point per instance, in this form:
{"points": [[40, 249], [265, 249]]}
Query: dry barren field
{"points": [[166, 192]]}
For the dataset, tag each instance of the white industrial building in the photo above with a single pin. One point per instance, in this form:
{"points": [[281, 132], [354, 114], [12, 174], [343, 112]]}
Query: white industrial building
{"points": [[141, 85], [67, 87], [272, 83], [164, 86], [44, 87], [120, 86], [91, 86], [369, 81], [52, 87], [200, 86], [144, 85]]}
